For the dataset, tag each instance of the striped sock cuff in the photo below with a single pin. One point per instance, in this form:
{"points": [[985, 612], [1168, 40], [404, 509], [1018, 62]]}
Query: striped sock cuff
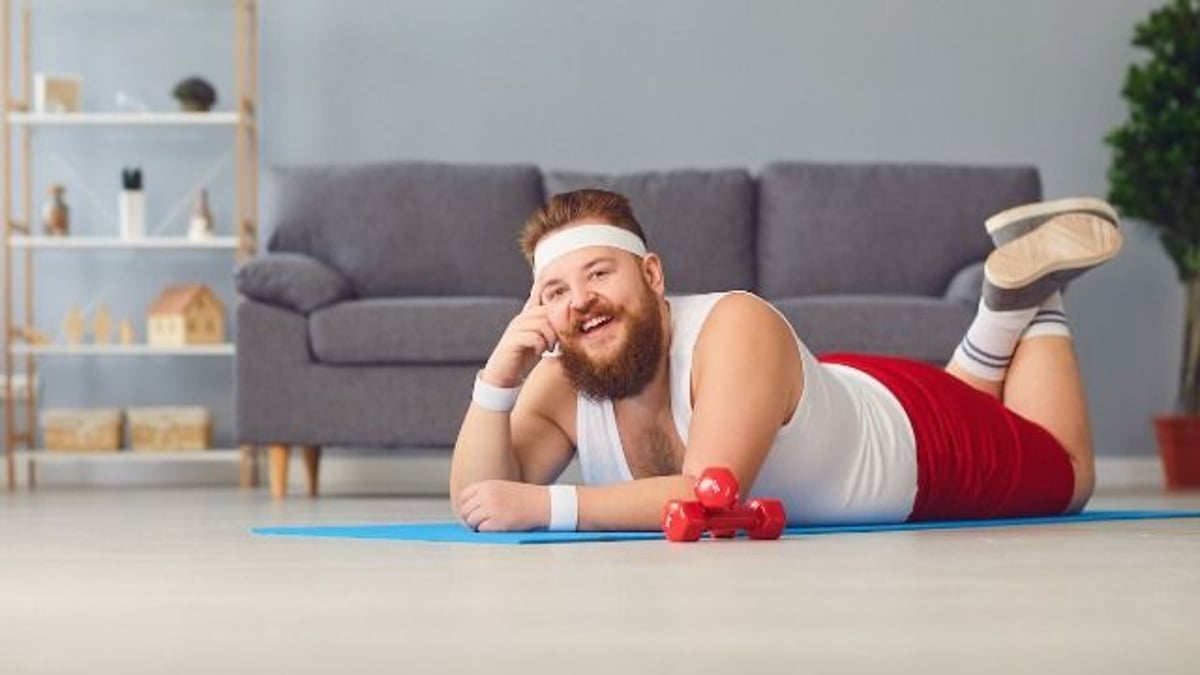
{"points": [[979, 365], [1047, 322], [983, 357]]}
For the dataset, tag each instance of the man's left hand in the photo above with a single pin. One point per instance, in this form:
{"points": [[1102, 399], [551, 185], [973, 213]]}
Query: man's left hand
{"points": [[504, 506]]}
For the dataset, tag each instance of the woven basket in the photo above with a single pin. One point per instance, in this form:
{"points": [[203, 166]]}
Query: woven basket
{"points": [[81, 430], [166, 429]]}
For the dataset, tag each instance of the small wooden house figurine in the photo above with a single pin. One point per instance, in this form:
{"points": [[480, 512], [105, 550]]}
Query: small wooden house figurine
{"points": [[186, 315]]}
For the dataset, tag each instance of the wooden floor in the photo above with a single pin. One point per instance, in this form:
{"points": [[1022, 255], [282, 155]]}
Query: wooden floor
{"points": [[161, 581]]}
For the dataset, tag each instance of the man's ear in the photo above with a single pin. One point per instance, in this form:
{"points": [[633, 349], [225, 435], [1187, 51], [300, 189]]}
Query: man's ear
{"points": [[652, 271]]}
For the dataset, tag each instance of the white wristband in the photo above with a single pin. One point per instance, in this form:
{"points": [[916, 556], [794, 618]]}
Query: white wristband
{"points": [[496, 399], [564, 508]]}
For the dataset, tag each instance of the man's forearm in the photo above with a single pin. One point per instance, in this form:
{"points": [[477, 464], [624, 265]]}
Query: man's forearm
{"points": [[483, 450], [636, 505]]}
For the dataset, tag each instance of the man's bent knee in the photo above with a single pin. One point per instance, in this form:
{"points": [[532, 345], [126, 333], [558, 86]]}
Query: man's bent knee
{"points": [[1085, 482]]}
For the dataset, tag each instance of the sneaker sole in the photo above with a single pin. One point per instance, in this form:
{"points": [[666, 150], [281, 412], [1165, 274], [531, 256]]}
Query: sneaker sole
{"points": [[1042, 209], [1070, 241]]}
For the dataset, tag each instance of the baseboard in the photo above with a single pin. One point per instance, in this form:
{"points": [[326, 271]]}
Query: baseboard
{"points": [[417, 472], [424, 472], [1123, 473]]}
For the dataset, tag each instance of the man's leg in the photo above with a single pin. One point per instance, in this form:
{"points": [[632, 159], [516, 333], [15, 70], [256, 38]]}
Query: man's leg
{"points": [[1036, 375], [1002, 332], [1044, 386]]}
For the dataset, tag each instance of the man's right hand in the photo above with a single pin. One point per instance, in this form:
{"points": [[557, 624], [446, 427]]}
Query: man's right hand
{"points": [[528, 335]]}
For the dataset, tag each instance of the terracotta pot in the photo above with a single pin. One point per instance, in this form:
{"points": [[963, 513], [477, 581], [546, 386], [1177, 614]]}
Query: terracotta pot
{"points": [[1179, 443]]}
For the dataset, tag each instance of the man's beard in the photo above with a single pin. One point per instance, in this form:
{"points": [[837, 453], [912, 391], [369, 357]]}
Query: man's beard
{"points": [[633, 366]]}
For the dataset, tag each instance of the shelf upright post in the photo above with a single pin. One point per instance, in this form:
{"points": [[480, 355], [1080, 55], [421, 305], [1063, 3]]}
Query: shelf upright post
{"points": [[9, 403], [239, 61], [27, 217], [246, 79], [252, 228]]}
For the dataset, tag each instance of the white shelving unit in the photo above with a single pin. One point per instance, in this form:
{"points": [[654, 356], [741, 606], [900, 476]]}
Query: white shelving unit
{"points": [[19, 124]]}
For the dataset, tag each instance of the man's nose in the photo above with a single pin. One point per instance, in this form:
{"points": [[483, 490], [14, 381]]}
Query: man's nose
{"points": [[581, 299]]}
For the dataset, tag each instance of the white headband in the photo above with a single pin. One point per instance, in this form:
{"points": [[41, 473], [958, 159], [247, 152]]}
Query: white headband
{"points": [[558, 244]]}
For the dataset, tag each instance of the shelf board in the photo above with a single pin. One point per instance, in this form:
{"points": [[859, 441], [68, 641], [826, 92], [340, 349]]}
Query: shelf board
{"points": [[117, 243], [125, 119], [220, 349], [57, 456]]}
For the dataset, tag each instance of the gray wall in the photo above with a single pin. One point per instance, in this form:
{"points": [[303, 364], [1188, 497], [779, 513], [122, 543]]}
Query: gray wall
{"points": [[625, 85]]}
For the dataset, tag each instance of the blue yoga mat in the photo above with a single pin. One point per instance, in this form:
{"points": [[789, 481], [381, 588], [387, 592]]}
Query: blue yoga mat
{"points": [[456, 533]]}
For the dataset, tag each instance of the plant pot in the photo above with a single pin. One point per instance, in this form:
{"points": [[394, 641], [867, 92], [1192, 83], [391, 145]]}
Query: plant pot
{"points": [[1179, 445]]}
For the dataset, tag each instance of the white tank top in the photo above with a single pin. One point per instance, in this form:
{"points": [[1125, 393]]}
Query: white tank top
{"points": [[847, 455]]}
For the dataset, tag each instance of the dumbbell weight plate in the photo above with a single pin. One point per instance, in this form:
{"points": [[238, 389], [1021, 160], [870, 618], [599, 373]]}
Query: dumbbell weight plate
{"points": [[717, 488], [683, 520], [769, 518]]}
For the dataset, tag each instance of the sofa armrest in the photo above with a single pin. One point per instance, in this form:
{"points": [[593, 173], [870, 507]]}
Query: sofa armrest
{"points": [[293, 281], [967, 285]]}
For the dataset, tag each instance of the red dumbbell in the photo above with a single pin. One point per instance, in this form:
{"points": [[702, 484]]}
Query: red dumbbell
{"points": [[717, 488], [718, 512]]}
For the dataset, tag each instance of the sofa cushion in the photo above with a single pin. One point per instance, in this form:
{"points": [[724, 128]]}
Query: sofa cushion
{"points": [[902, 229], [700, 221], [293, 281], [409, 228], [927, 329], [411, 330], [967, 285]]}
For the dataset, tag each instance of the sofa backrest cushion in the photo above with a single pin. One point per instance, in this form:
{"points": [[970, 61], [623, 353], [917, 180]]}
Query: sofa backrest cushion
{"points": [[407, 331], [902, 229], [700, 221], [409, 228]]}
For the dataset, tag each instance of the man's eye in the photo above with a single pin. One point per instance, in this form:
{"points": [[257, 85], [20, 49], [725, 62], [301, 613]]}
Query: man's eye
{"points": [[596, 274], [556, 293]]}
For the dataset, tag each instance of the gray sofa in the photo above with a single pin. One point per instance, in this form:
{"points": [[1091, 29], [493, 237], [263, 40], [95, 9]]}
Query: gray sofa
{"points": [[384, 287]]}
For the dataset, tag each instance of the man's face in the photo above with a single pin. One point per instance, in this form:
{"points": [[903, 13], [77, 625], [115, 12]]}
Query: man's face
{"points": [[608, 320]]}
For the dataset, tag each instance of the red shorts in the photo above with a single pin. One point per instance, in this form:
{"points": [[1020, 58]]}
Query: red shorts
{"points": [[975, 458]]}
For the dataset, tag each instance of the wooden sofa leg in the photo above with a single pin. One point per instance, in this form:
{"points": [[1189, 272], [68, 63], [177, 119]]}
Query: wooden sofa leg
{"points": [[278, 456], [248, 468], [312, 466]]}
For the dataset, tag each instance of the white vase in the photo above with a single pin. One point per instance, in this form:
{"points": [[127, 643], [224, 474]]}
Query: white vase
{"points": [[131, 213]]}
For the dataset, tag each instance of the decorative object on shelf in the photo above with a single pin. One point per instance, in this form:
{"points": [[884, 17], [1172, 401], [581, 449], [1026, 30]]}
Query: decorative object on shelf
{"points": [[200, 227], [101, 325], [170, 428], [126, 332], [30, 335], [56, 92], [82, 429], [195, 94], [131, 204], [186, 315], [74, 327], [1153, 177], [56, 215]]}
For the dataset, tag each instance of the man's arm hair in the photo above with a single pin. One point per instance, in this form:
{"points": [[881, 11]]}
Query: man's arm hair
{"points": [[524, 445]]}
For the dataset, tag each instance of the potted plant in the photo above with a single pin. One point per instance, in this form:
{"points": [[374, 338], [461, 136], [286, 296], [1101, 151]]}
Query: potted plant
{"points": [[1155, 177]]}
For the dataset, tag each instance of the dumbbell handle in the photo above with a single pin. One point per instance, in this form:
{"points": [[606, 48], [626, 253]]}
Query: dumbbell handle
{"points": [[729, 519]]}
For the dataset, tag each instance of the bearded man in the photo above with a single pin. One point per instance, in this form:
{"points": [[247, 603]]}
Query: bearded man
{"points": [[649, 390]]}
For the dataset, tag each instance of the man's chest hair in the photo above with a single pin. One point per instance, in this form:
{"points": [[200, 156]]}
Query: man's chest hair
{"points": [[651, 450]]}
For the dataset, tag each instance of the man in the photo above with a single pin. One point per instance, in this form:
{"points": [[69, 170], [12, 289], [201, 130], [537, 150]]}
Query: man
{"points": [[649, 391]]}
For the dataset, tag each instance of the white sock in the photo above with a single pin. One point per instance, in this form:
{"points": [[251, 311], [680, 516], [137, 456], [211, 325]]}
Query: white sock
{"points": [[1051, 319], [987, 348]]}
